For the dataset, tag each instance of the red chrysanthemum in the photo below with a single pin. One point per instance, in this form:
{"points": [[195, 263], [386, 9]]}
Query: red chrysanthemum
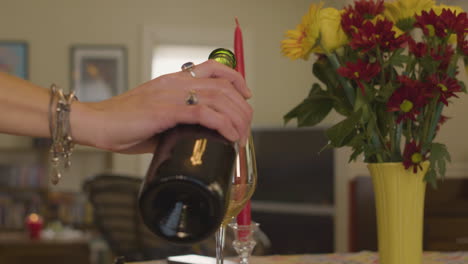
{"points": [[412, 156], [408, 99], [368, 8], [359, 71], [444, 86], [453, 22], [418, 49], [462, 44], [442, 54], [380, 34], [431, 24], [351, 21], [354, 16]]}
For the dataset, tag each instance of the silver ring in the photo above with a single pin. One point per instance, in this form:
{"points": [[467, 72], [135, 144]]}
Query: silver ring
{"points": [[192, 99], [188, 67]]}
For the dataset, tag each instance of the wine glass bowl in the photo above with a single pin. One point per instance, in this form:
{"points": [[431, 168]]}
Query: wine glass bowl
{"points": [[243, 185]]}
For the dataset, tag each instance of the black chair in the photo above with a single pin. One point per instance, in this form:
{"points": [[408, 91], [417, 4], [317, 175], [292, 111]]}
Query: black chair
{"points": [[116, 215], [115, 209]]}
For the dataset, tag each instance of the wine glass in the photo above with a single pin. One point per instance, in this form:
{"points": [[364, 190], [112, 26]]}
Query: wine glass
{"points": [[243, 185]]}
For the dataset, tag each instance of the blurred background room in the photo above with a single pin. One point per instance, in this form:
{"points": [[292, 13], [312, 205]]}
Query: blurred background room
{"points": [[306, 201]]}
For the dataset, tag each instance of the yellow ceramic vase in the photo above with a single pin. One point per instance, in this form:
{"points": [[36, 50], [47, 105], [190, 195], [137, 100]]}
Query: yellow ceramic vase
{"points": [[399, 199]]}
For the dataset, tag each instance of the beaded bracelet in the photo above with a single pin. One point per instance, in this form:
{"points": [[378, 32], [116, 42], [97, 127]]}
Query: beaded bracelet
{"points": [[60, 132]]}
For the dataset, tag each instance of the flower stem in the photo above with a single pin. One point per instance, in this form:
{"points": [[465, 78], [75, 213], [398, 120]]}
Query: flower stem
{"points": [[382, 70], [398, 133], [430, 123], [346, 85], [434, 122]]}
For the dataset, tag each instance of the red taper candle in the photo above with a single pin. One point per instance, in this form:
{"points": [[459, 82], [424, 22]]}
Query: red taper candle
{"points": [[244, 217], [239, 49]]}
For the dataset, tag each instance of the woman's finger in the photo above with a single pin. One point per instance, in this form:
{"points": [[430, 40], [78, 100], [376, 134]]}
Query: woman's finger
{"points": [[216, 88], [222, 104], [214, 69], [207, 117]]}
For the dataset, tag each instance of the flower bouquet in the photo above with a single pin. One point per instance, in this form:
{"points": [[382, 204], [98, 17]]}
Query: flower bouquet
{"points": [[388, 68]]}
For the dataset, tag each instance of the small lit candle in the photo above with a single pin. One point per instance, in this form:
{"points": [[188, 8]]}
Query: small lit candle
{"points": [[34, 226]]}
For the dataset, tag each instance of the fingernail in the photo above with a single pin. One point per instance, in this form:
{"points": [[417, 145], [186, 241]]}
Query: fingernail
{"points": [[249, 93]]}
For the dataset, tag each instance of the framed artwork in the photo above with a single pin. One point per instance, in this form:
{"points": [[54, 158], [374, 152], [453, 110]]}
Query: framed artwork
{"points": [[98, 72], [14, 58]]}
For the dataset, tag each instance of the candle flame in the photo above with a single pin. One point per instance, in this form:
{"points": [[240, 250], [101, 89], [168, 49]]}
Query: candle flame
{"points": [[34, 217]]}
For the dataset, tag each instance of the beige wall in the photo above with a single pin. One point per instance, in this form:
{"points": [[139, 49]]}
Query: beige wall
{"points": [[50, 27]]}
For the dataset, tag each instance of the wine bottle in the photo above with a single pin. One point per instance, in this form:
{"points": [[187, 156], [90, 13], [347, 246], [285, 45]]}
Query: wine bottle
{"points": [[185, 193]]}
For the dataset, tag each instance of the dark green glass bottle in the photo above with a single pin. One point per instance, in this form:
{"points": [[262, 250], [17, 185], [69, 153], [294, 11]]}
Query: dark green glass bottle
{"points": [[185, 193], [223, 56]]}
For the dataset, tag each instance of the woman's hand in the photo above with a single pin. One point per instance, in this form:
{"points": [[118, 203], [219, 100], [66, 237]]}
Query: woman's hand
{"points": [[129, 122]]}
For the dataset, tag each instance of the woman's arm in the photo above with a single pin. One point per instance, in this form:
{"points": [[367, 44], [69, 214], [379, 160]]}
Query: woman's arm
{"points": [[23, 107], [128, 122]]}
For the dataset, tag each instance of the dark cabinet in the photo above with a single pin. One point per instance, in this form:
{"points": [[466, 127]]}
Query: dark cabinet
{"points": [[294, 199]]}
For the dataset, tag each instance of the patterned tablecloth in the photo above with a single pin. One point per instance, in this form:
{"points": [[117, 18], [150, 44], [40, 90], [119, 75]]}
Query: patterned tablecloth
{"points": [[348, 258]]}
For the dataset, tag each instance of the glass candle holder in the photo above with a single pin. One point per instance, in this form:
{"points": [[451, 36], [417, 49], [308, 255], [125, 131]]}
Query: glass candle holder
{"points": [[244, 241]]}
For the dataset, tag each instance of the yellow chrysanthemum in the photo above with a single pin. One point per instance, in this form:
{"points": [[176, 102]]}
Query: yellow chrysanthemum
{"points": [[300, 41], [402, 12], [332, 35]]}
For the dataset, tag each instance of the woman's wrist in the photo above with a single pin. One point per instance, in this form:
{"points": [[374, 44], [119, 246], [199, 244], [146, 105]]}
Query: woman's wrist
{"points": [[84, 123]]}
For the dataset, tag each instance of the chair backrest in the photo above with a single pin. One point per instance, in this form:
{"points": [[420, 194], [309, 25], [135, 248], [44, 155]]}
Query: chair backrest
{"points": [[116, 215]]}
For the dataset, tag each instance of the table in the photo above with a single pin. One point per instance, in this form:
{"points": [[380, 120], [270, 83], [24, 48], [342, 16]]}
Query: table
{"points": [[364, 257], [17, 248]]}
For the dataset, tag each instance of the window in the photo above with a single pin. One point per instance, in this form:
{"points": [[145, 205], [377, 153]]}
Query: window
{"points": [[169, 58]]}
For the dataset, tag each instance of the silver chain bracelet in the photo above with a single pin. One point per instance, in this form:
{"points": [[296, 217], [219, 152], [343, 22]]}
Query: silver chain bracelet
{"points": [[60, 132]]}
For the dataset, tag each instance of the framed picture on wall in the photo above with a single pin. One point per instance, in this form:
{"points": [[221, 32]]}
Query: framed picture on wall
{"points": [[98, 72], [14, 58]]}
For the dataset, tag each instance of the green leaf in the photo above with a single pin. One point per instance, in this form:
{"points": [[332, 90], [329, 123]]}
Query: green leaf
{"points": [[324, 71], [431, 177], [343, 132], [292, 113], [311, 110], [342, 108], [384, 118], [385, 92], [406, 24], [357, 144], [316, 90], [398, 59], [463, 86], [429, 64], [438, 158]]}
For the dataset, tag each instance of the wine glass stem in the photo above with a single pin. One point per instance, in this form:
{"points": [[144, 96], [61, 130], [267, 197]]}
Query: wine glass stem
{"points": [[220, 244]]}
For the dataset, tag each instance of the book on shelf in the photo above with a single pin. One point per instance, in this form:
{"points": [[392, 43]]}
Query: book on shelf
{"points": [[15, 208], [70, 208], [22, 176]]}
